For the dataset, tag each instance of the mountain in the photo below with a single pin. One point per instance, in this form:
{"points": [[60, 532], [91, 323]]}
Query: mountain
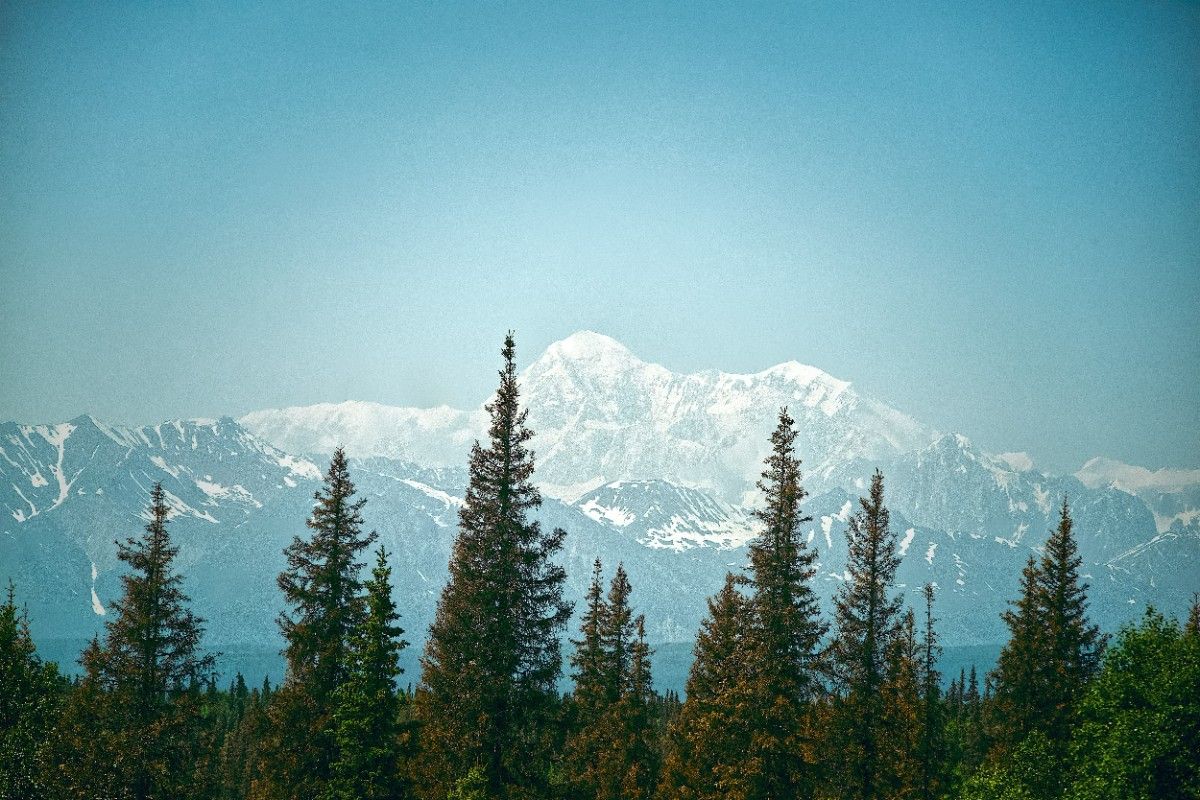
{"points": [[640, 465], [600, 414], [1173, 495]]}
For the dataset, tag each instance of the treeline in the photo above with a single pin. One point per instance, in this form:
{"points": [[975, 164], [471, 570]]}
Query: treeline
{"points": [[782, 700]]}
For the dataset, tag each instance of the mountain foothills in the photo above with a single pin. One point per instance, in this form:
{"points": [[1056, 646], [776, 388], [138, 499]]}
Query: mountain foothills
{"points": [[638, 464], [820, 598]]}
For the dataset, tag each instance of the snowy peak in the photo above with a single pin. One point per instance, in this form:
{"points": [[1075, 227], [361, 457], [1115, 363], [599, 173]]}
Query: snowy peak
{"points": [[1109, 472], [588, 346], [1173, 495]]}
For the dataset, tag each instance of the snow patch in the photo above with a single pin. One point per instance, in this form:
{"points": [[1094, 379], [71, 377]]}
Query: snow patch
{"points": [[907, 540]]}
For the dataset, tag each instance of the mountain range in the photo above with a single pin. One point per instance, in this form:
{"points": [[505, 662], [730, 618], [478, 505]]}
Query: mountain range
{"points": [[639, 464]]}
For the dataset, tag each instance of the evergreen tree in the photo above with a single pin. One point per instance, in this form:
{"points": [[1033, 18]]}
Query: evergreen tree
{"points": [[931, 751], [30, 693], [609, 753], [492, 658], [786, 629], [868, 624], [710, 738], [1074, 644], [367, 723], [151, 661], [901, 723], [1052, 652], [323, 587]]}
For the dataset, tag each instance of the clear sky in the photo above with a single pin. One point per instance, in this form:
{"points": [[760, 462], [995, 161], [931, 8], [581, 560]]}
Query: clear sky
{"points": [[987, 214]]}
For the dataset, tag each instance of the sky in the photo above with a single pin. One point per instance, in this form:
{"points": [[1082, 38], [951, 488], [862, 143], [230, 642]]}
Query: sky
{"points": [[985, 214]]}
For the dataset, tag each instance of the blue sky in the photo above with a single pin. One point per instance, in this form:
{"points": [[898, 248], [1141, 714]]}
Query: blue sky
{"points": [[986, 214]]}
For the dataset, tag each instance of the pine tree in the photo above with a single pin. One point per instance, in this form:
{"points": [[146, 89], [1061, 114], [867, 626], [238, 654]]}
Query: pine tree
{"points": [[786, 628], [492, 658], [1052, 650], [1074, 644], [323, 588], [901, 724], [868, 624], [29, 701], [710, 738], [151, 660], [931, 751], [609, 754], [367, 705]]}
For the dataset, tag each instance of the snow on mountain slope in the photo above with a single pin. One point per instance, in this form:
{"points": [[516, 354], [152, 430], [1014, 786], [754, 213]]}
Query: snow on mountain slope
{"points": [[1172, 494], [439, 436], [601, 414], [659, 514]]}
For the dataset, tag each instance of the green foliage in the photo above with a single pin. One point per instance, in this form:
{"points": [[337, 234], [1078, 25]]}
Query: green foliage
{"points": [[366, 718], [1139, 734], [324, 592], [492, 658], [782, 640], [610, 752], [30, 693], [868, 622]]}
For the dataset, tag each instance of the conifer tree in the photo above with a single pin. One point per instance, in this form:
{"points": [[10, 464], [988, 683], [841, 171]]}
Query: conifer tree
{"points": [[901, 728], [868, 624], [492, 658], [1074, 644], [931, 751], [1052, 650], [710, 738], [324, 591], [367, 705], [140, 688], [609, 754], [785, 629], [587, 662], [29, 699]]}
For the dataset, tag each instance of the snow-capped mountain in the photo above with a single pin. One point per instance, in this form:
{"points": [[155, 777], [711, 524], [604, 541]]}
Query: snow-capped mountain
{"points": [[600, 414], [1172, 494], [638, 464]]}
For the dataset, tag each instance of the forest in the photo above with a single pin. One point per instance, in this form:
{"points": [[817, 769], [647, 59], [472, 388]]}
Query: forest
{"points": [[784, 699]]}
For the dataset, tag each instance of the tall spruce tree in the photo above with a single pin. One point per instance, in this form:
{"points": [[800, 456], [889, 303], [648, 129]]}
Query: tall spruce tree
{"points": [[324, 591], [1074, 644], [868, 623], [1052, 652], [370, 737], [139, 694], [492, 658], [710, 738], [932, 751], [785, 630]]}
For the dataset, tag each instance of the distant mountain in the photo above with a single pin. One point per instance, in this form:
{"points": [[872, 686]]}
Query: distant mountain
{"points": [[639, 465], [1172, 494], [602, 415]]}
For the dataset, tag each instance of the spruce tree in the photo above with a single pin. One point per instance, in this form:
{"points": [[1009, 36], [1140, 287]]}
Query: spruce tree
{"points": [[324, 591], [29, 702], [492, 658], [901, 725], [710, 738], [868, 624], [931, 751], [366, 718], [785, 630], [1053, 650], [609, 753], [139, 694], [1073, 644]]}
